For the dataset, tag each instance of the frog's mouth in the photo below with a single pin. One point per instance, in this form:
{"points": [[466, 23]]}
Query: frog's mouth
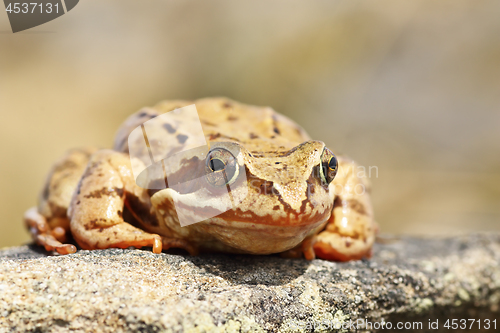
{"points": [[259, 204]]}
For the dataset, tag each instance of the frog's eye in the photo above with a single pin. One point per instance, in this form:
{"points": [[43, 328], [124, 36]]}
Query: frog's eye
{"points": [[328, 167], [221, 167]]}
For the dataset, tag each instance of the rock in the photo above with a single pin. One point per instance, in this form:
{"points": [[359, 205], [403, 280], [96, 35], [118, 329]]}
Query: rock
{"points": [[409, 281]]}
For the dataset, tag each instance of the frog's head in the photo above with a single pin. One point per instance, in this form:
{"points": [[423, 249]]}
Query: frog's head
{"points": [[247, 198], [290, 187]]}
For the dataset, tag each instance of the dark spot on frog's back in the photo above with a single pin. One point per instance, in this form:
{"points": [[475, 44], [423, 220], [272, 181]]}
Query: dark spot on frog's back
{"points": [[275, 126], [147, 114], [232, 118], [204, 122], [214, 136], [170, 129], [227, 105], [181, 138], [253, 136]]}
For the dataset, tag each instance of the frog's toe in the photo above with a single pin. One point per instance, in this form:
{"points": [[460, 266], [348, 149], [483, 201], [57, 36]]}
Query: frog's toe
{"points": [[307, 248], [52, 244], [66, 249], [59, 233], [42, 234]]}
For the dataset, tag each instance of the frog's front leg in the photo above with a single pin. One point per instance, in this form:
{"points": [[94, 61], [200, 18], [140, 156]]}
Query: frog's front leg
{"points": [[351, 229], [96, 209]]}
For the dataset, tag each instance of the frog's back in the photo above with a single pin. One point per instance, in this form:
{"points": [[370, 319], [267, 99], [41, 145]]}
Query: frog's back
{"points": [[259, 129]]}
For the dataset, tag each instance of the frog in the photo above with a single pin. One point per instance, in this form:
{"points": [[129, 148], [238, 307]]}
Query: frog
{"points": [[300, 199]]}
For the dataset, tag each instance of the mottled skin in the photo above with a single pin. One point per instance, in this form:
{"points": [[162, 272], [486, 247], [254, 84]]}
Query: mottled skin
{"points": [[288, 207]]}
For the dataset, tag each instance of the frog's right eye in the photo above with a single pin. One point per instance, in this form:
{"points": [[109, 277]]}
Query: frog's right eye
{"points": [[328, 167], [221, 167]]}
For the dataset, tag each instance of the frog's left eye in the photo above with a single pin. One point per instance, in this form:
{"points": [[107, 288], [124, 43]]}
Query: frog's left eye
{"points": [[221, 167], [329, 166]]}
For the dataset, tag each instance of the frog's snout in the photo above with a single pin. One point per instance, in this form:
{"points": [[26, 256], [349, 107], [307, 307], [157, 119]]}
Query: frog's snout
{"points": [[296, 178]]}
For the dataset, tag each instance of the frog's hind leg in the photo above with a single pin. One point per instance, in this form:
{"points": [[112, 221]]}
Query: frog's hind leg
{"points": [[96, 210], [43, 235], [48, 223], [351, 229]]}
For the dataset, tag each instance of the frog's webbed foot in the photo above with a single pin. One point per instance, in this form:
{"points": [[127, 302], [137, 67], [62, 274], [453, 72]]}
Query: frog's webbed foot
{"points": [[180, 244], [51, 239], [303, 250]]}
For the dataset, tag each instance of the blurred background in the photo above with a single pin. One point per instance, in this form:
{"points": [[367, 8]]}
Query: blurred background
{"points": [[411, 87]]}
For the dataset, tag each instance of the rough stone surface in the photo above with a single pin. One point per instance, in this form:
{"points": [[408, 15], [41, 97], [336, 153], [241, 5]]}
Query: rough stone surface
{"points": [[408, 280]]}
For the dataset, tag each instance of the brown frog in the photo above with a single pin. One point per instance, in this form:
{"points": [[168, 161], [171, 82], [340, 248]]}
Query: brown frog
{"points": [[297, 198]]}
